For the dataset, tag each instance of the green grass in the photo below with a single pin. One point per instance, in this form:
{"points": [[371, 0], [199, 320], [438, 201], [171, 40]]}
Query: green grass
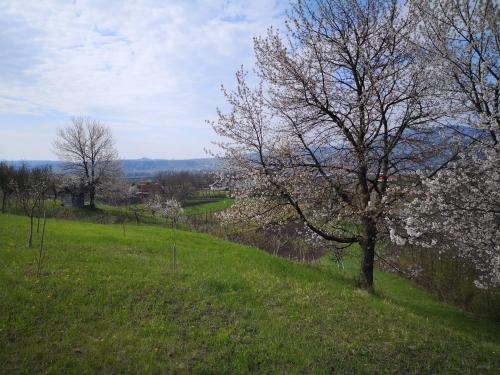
{"points": [[102, 214], [215, 206], [207, 193], [108, 214], [109, 303]]}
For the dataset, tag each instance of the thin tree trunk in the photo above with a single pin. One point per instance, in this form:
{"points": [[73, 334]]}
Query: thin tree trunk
{"points": [[30, 238], [4, 200], [174, 247], [40, 255], [174, 257], [38, 219]]}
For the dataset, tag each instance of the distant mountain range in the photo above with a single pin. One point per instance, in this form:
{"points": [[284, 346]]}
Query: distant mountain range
{"points": [[144, 168], [141, 167], [149, 167]]}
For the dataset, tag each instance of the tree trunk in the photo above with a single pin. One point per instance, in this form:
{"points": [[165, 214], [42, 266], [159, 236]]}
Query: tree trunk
{"points": [[38, 219], [30, 238], [92, 196], [368, 255], [4, 200], [40, 254]]}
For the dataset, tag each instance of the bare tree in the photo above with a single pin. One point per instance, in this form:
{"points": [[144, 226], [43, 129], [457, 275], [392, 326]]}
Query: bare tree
{"points": [[342, 109], [87, 148], [31, 187], [177, 185]]}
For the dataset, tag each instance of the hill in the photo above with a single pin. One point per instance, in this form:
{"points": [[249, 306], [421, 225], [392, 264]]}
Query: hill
{"points": [[109, 302], [145, 167], [149, 167], [141, 167]]}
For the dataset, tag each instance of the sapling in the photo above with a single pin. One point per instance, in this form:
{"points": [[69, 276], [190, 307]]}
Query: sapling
{"points": [[154, 204], [41, 254], [173, 211], [30, 189]]}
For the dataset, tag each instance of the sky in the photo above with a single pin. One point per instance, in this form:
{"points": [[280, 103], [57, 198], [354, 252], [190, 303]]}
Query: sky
{"points": [[150, 69]]}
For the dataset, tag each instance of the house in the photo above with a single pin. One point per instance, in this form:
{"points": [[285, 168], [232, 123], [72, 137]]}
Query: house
{"points": [[72, 192], [148, 189], [72, 197]]}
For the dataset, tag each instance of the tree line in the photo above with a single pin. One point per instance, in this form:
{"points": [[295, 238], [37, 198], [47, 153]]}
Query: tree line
{"points": [[29, 188]]}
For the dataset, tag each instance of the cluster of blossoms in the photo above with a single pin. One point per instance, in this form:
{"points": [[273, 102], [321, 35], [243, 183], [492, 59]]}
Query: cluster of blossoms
{"points": [[169, 208], [173, 210], [154, 204], [312, 140], [459, 211]]}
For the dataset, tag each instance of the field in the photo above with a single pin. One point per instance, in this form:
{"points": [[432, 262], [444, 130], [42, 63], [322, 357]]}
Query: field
{"points": [[108, 214], [109, 302], [208, 206]]}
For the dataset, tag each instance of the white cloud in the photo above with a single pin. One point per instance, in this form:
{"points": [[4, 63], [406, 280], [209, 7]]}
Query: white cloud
{"points": [[150, 63], [103, 57]]}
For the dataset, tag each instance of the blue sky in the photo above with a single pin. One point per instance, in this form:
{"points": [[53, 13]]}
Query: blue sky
{"points": [[151, 70]]}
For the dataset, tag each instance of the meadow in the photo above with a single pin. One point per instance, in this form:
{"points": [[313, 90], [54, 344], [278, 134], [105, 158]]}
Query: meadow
{"points": [[108, 301], [137, 213]]}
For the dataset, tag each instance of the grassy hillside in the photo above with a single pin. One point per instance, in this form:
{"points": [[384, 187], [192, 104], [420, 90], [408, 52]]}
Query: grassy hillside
{"points": [[107, 214], [103, 214], [109, 303]]}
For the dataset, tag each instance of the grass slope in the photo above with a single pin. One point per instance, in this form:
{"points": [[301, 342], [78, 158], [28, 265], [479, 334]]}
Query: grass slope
{"points": [[107, 214], [110, 304]]}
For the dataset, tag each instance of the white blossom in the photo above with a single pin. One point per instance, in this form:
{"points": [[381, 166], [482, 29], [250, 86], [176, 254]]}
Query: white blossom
{"points": [[173, 210]]}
